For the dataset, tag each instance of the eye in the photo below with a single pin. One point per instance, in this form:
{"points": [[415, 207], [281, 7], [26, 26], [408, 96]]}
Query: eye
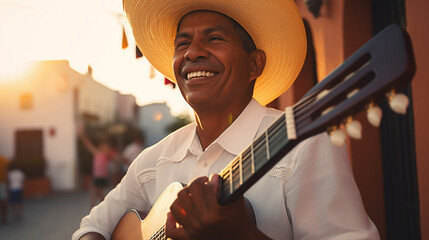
{"points": [[215, 38], [182, 43]]}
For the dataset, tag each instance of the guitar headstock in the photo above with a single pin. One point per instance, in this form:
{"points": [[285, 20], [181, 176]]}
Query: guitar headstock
{"points": [[379, 69]]}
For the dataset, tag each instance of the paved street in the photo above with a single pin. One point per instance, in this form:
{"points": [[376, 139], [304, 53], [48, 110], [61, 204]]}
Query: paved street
{"points": [[53, 217]]}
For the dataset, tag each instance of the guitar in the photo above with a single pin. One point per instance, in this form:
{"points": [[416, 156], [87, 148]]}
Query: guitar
{"points": [[379, 68]]}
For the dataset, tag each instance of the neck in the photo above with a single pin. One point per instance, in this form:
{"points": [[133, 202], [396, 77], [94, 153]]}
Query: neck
{"points": [[212, 123]]}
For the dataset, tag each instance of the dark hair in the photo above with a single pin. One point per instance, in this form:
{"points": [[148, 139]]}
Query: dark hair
{"points": [[246, 40]]}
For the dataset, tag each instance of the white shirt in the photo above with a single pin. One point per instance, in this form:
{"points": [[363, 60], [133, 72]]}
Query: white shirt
{"points": [[132, 151], [309, 194], [16, 179]]}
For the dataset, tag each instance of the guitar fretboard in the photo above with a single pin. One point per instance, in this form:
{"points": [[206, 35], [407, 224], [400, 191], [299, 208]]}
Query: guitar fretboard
{"points": [[254, 161]]}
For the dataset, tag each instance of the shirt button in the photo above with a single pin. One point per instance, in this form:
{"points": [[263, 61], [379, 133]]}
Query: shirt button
{"points": [[205, 164]]}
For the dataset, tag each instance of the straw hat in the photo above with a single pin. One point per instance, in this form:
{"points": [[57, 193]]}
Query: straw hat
{"points": [[275, 26]]}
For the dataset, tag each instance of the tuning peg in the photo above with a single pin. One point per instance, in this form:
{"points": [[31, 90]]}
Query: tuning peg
{"points": [[374, 115], [352, 93], [399, 103], [354, 128], [322, 94], [338, 137]]}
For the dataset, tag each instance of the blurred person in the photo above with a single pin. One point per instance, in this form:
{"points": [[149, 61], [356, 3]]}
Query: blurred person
{"points": [[102, 154], [16, 179], [3, 188], [132, 150]]}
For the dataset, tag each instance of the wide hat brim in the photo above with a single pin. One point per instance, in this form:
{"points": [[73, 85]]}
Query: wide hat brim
{"points": [[275, 26]]}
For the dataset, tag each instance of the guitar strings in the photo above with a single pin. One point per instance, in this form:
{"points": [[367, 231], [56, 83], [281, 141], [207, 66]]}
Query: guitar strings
{"points": [[259, 149]]}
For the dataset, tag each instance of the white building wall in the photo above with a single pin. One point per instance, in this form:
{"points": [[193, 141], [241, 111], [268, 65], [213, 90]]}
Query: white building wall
{"points": [[153, 120], [96, 99], [52, 111], [127, 108], [55, 112]]}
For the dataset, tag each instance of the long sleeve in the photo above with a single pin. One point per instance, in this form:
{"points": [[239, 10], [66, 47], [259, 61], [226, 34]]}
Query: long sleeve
{"points": [[104, 217], [323, 200]]}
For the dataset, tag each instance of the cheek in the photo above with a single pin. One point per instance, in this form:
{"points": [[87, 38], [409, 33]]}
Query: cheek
{"points": [[176, 64]]}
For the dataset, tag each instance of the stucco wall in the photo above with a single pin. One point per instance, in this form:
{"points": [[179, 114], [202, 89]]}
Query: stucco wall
{"points": [[51, 113], [341, 29], [417, 26]]}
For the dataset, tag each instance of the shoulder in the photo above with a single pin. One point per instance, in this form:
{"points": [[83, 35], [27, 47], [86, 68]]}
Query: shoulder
{"points": [[167, 147]]}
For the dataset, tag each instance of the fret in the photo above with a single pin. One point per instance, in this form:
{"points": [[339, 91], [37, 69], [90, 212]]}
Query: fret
{"points": [[260, 153], [241, 169], [253, 158], [277, 136], [267, 145], [236, 173], [225, 187], [246, 164], [290, 123], [230, 179]]}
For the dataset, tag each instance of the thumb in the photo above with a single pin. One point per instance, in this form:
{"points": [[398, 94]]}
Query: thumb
{"points": [[213, 187]]}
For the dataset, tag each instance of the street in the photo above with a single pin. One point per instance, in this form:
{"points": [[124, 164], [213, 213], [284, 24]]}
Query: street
{"points": [[52, 217]]}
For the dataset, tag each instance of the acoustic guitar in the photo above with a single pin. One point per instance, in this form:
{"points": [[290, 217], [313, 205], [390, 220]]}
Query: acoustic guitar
{"points": [[377, 70]]}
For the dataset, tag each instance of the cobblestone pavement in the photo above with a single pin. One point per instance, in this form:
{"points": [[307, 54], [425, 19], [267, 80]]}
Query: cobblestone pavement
{"points": [[53, 217]]}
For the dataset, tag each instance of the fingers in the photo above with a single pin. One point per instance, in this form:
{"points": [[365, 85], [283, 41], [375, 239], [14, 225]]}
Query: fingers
{"points": [[172, 230], [194, 207], [190, 204], [212, 191], [197, 190], [182, 208]]}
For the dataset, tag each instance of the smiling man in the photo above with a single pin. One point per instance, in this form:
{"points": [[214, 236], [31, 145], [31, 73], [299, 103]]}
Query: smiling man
{"points": [[229, 58]]}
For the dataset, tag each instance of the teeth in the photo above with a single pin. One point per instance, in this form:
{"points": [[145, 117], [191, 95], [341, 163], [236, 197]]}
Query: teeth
{"points": [[200, 74]]}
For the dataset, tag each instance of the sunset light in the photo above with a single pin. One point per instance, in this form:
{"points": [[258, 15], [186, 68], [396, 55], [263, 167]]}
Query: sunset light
{"points": [[83, 33]]}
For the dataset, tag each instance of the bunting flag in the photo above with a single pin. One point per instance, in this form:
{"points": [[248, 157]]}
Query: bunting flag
{"points": [[167, 81], [151, 72], [139, 54], [124, 39]]}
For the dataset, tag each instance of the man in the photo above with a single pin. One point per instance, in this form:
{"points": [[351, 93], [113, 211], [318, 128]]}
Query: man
{"points": [[223, 73]]}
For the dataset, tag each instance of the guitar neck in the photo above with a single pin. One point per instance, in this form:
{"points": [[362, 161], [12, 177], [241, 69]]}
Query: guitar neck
{"points": [[256, 160]]}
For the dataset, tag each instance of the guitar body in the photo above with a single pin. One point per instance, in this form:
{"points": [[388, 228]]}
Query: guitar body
{"points": [[132, 227]]}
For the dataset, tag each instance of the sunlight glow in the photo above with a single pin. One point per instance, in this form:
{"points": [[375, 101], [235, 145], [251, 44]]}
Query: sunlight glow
{"points": [[14, 69], [84, 32]]}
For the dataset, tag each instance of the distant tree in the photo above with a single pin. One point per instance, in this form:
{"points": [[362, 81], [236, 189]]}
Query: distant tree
{"points": [[178, 122]]}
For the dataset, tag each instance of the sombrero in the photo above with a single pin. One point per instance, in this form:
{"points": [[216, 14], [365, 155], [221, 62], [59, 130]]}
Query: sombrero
{"points": [[275, 26]]}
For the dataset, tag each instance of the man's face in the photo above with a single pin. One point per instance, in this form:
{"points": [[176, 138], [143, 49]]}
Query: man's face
{"points": [[211, 67]]}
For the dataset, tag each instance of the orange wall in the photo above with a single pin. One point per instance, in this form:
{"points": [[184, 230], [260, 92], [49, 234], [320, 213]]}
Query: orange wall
{"points": [[418, 27], [365, 153], [341, 29], [326, 30]]}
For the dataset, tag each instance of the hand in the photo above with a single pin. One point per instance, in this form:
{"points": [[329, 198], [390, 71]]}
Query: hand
{"points": [[199, 215]]}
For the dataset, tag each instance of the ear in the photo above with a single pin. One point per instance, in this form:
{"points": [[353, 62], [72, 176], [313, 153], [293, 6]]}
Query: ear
{"points": [[257, 63]]}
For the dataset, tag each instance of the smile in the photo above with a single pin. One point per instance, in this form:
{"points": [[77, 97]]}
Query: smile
{"points": [[199, 74]]}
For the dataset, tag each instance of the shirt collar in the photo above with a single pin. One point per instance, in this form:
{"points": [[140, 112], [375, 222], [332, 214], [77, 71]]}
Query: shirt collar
{"points": [[180, 143], [234, 139], [243, 130]]}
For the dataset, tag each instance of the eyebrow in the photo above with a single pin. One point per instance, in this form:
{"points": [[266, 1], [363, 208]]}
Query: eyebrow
{"points": [[206, 32]]}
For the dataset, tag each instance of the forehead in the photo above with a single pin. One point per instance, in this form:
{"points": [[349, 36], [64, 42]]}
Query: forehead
{"points": [[205, 18]]}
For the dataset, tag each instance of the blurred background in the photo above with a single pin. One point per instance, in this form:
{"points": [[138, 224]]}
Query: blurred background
{"points": [[64, 64], [70, 70]]}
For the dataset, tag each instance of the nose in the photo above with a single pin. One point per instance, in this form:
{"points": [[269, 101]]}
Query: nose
{"points": [[196, 50]]}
